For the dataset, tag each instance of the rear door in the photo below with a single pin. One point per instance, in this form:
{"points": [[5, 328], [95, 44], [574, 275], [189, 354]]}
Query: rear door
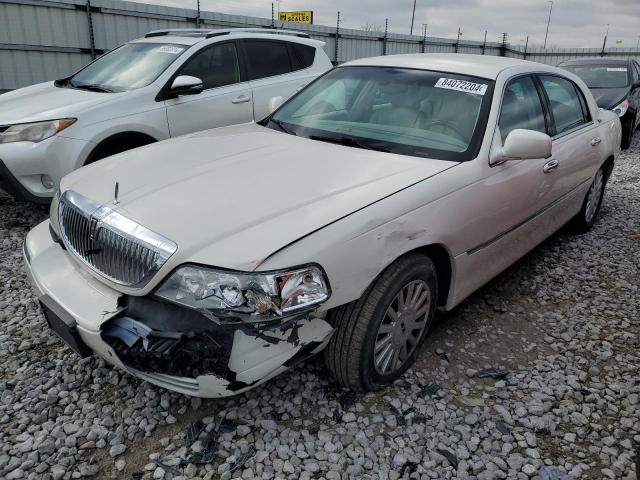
{"points": [[577, 148], [226, 99], [275, 68]]}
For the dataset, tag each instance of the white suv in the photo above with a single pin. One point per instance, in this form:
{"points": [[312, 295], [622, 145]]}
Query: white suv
{"points": [[169, 83]]}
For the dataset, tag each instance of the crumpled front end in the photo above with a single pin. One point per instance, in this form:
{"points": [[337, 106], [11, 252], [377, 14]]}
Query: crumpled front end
{"points": [[172, 346], [184, 350]]}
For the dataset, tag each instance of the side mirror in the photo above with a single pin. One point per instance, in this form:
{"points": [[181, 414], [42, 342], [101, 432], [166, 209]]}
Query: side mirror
{"points": [[523, 144], [274, 103], [186, 85]]}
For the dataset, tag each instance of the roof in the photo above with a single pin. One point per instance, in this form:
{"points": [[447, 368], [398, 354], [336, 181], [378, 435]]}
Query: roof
{"points": [[191, 36], [485, 66], [596, 61]]}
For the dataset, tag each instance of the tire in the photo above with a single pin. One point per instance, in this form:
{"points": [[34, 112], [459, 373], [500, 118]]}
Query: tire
{"points": [[350, 355], [590, 209], [117, 144], [627, 135]]}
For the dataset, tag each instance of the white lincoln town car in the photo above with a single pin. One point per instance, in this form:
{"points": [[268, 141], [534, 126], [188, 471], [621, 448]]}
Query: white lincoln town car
{"points": [[387, 188]]}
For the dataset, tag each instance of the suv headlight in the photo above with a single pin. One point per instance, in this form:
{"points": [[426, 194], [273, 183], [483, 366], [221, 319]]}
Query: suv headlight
{"points": [[36, 131], [253, 297], [621, 108]]}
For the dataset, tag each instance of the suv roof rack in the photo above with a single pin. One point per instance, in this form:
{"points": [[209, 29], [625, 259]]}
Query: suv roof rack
{"points": [[209, 32]]}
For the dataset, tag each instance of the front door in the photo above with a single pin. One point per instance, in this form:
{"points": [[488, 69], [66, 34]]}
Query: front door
{"points": [[225, 99]]}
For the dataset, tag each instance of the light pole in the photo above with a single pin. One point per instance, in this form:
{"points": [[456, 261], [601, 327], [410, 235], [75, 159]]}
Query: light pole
{"points": [[604, 43], [548, 22], [413, 16]]}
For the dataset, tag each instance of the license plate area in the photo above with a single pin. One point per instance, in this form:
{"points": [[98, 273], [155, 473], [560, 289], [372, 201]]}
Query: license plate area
{"points": [[64, 326]]}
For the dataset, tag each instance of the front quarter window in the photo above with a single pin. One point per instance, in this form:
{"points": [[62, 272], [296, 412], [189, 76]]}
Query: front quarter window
{"points": [[133, 65], [398, 110]]}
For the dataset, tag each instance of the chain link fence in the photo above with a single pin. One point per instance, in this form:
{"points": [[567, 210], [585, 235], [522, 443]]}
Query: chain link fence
{"points": [[42, 40]]}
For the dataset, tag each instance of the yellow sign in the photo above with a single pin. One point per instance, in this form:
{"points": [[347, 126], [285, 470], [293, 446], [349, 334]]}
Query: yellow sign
{"points": [[305, 16]]}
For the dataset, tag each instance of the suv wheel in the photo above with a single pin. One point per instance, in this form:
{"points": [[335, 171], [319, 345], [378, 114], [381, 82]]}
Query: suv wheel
{"points": [[377, 337]]}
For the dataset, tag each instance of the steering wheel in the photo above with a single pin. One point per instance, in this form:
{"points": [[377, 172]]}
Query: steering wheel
{"points": [[449, 125]]}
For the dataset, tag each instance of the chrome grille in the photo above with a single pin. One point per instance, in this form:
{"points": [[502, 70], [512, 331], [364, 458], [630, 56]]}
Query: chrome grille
{"points": [[109, 243]]}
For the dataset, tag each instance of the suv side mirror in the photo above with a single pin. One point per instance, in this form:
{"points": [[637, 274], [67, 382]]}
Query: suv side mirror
{"points": [[274, 103], [186, 85], [523, 144]]}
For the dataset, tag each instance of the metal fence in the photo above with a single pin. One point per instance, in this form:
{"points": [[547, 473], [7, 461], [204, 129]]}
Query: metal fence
{"points": [[46, 39]]}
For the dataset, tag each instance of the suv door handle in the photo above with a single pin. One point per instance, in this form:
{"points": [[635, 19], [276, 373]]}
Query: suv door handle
{"points": [[241, 99], [550, 166], [595, 141]]}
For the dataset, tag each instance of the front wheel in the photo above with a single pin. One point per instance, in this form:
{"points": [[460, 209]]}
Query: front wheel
{"points": [[588, 214], [377, 337]]}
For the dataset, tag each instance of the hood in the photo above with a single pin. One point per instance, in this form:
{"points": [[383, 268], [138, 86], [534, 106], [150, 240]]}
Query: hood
{"points": [[609, 97], [232, 196], [45, 101]]}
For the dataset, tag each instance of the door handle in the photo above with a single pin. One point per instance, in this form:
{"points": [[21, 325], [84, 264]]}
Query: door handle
{"points": [[595, 141], [550, 166], [241, 99]]}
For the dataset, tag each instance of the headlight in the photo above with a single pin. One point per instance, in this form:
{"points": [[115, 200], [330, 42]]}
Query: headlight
{"points": [[621, 108], [35, 132], [253, 297]]}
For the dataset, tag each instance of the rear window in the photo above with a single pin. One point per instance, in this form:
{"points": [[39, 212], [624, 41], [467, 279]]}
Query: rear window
{"points": [[601, 76], [303, 55], [266, 58]]}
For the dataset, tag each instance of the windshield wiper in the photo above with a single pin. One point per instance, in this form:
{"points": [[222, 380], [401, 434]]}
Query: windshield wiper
{"points": [[90, 86], [348, 142], [282, 127]]}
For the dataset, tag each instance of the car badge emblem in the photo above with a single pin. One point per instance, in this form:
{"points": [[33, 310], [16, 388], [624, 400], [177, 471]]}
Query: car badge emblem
{"points": [[115, 194]]}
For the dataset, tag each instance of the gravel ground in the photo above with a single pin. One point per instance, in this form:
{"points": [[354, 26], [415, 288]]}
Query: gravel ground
{"points": [[535, 375]]}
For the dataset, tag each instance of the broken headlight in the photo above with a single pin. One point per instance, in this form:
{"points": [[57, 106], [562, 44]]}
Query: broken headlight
{"points": [[252, 296]]}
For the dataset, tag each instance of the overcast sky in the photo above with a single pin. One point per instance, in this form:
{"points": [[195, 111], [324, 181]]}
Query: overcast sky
{"points": [[574, 23]]}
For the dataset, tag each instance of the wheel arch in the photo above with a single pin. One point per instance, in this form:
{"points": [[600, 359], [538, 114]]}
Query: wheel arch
{"points": [[442, 261], [110, 145]]}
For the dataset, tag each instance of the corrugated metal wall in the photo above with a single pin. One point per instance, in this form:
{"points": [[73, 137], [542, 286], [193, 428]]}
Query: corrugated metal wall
{"points": [[43, 39]]}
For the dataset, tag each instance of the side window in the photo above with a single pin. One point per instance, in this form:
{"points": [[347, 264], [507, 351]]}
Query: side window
{"points": [[636, 73], [521, 108], [564, 102], [216, 66], [302, 56], [266, 58]]}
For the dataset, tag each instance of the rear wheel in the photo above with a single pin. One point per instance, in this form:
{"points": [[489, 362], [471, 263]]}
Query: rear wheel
{"points": [[588, 214], [377, 337]]}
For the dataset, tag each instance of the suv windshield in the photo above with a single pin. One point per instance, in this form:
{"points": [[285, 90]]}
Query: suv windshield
{"points": [[407, 111], [133, 65], [601, 76]]}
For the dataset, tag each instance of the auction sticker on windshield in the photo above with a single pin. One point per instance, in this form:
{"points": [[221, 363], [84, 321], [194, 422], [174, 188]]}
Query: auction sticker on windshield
{"points": [[462, 86], [169, 49]]}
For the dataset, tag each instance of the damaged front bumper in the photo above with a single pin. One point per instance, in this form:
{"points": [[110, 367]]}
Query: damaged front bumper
{"points": [[175, 347]]}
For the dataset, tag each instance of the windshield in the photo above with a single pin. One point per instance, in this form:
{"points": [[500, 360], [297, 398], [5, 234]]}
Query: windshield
{"points": [[601, 76], [133, 65], [412, 112]]}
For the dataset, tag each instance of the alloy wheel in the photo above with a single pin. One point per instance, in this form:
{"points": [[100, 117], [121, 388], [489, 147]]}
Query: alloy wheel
{"points": [[402, 326], [593, 198]]}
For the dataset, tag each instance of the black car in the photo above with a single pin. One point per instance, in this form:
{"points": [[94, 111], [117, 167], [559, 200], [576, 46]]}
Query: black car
{"points": [[615, 84]]}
